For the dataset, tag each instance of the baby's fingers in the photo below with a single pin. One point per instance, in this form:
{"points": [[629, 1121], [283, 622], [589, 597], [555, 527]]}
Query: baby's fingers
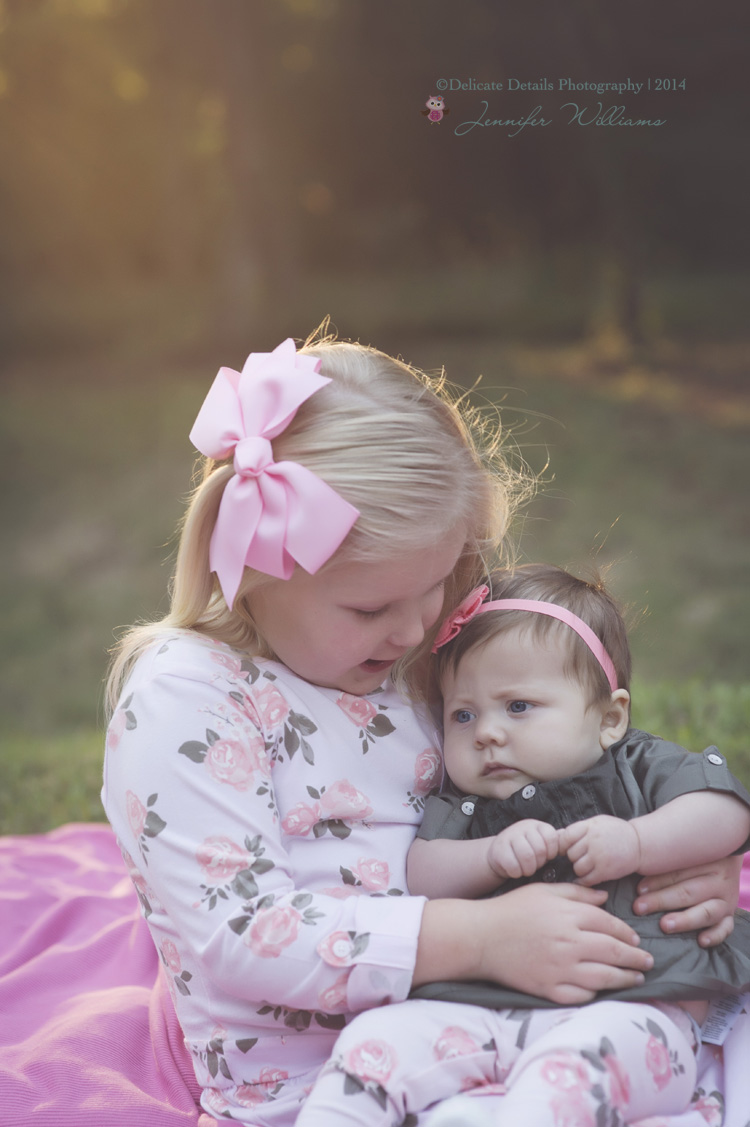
{"points": [[571, 837], [545, 841]]}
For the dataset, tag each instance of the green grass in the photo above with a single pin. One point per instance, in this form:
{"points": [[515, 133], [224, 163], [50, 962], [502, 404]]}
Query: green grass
{"points": [[49, 780]]}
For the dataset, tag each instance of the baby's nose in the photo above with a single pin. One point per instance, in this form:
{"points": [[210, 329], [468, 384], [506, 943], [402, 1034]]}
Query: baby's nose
{"points": [[489, 731]]}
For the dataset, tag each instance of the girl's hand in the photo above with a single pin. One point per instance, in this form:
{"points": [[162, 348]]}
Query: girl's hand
{"points": [[702, 897], [601, 848], [553, 941], [521, 849]]}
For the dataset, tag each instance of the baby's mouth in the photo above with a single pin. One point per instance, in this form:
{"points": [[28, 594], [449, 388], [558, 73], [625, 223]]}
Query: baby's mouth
{"points": [[378, 666]]}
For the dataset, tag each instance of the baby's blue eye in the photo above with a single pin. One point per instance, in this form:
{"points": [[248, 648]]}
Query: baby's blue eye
{"points": [[463, 716], [516, 707]]}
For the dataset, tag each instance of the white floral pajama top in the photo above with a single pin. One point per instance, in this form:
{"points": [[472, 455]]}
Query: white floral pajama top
{"points": [[265, 823]]}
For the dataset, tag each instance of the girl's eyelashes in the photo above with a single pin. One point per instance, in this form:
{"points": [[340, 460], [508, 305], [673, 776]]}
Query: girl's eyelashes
{"points": [[381, 610]]}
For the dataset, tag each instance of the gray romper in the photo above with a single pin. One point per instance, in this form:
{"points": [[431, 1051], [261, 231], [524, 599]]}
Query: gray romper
{"points": [[638, 774]]}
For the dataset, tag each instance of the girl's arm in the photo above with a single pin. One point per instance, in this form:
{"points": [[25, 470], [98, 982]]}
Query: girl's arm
{"points": [[692, 829], [472, 868]]}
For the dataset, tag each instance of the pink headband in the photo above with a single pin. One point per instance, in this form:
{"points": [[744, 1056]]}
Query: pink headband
{"points": [[473, 605], [271, 513]]}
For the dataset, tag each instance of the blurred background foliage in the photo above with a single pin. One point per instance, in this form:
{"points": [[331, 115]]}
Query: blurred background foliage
{"points": [[184, 180]]}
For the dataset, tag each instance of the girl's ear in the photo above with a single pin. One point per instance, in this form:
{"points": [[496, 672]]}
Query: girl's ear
{"points": [[615, 718]]}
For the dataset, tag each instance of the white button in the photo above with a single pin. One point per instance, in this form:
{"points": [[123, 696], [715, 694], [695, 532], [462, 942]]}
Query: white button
{"points": [[341, 949], [714, 759], [467, 807], [528, 792]]}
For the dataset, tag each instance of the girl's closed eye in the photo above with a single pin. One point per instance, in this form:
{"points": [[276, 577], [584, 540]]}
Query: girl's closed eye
{"points": [[369, 613], [518, 707]]}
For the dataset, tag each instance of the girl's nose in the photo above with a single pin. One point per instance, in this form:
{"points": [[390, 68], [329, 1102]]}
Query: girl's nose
{"points": [[408, 632]]}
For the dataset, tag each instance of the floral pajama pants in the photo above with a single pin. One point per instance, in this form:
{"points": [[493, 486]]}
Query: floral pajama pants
{"points": [[605, 1063]]}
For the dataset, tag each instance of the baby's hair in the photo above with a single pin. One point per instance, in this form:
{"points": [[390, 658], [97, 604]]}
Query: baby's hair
{"points": [[589, 600], [414, 458]]}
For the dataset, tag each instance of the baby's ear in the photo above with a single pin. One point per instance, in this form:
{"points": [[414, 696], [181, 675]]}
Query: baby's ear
{"points": [[615, 718]]}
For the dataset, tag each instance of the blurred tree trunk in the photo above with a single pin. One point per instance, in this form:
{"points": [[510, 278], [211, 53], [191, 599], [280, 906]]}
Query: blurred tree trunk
{"points": [[615, 318], [258, 263]]}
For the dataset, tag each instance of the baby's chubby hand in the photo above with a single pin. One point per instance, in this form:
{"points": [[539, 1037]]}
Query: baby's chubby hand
{"points": [[522, 848], [601, 848]]}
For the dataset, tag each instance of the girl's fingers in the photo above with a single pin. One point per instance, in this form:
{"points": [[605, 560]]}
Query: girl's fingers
{"points": [[712, 936], [708, 918], [701, 898], [686, 887]]}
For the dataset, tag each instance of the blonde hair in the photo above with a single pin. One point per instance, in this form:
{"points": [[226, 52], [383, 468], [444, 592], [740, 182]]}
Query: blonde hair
{"points": [[413, 458]]}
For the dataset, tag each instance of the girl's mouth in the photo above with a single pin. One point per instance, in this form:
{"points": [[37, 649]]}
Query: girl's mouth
{"points": [[377, 666]]}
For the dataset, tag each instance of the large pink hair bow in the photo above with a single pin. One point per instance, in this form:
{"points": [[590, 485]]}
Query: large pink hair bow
{"points": [[271, 513]]}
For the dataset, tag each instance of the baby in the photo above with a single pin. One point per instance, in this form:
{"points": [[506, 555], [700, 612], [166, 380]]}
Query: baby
{"points": [[547, 781]]}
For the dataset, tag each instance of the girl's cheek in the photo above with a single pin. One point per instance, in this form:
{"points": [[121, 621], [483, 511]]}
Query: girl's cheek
{"points": [[434, 608]]}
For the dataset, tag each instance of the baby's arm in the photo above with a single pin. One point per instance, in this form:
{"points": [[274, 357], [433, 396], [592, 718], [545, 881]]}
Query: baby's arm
{"points": [[445, 868], [692, 829]]}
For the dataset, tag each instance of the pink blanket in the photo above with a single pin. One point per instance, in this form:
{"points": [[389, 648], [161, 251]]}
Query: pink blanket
{"points": [[88, 1034]]}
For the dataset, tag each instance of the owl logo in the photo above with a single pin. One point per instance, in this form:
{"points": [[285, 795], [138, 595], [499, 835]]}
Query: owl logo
{"points": [[436, 109]]}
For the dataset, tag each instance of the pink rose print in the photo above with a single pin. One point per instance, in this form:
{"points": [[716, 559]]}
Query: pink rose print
{"points": [[301, 819], [454, 1042], [657, 1062], [373, 874], [171, 956], [135, 874], [340, 948], [272, 930], [117, 726], [343, 893], [334, 997], [427, 770], [215, 1102], [272, 708], [371, 721], [359, 710], [372, 1060], [137, 814], [221, 859], [711, 1107], [228, 661], [248, 1095], [343, 800], [271, 1077], [619, 1083], [570, 1109], [567, 1072], [235, 763]]}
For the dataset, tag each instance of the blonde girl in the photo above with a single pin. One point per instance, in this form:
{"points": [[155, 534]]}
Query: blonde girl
{"points": [[268, 761]]}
